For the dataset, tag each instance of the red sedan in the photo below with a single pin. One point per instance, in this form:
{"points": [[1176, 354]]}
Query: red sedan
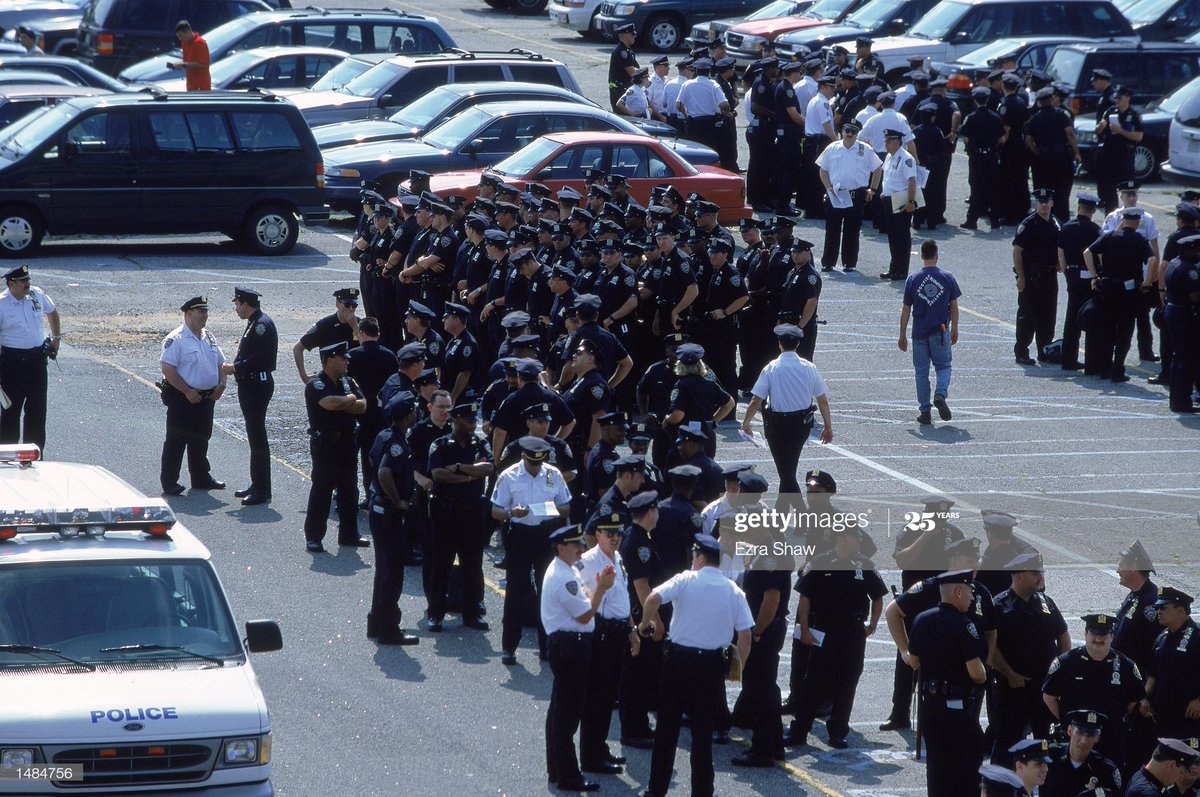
{"points": [[560, 158]]}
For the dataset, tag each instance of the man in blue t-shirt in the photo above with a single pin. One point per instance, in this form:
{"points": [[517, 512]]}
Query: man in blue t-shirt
{"points": [[931, 298]]}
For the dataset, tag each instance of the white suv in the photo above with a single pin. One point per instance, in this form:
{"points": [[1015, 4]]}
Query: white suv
{"points": [[124, 671], [1183, 147]]}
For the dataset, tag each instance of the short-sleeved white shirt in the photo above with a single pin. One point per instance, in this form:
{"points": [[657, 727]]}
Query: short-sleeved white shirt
{"points": [[517, 487], [197, 359], [21, 325], [709, 608], [564, 597], [615, 604], [789, 383]]}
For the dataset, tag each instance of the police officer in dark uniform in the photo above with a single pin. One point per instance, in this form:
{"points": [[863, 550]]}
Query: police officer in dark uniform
{"points": [[1173, 679], [654, 395], [1166, 769], [695, 399], [418, 321], [638, 689], [789, 138], [934, 151], [410, 362], [1182, 315], [622, 63], [760, 134], [1002, 548], [981, 132], [948, 650], [600, 459], [460, 464], [676, 289], [333, 401], [1118, 131], [588, 398], [1035, 262], [390, 486], [1014, 162], [1096, 677], [678, 520], [1081, 767], [710, 483], [1075, 236], [1187, 221], [1049, 137], [1136, 622], [530, 392], [725, 296], [613, 361], [537, 423], [1122, 254], [462, 361], [801, 293], [371, 365], [253, 369], [340, 326]]}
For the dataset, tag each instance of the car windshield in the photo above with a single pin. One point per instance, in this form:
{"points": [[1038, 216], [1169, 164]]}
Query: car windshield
{"points": [[375, 80], [875, 14], [1173, 101], [231, 66], [1065, 66], [346, 70], [117, 611], [457, 130], [1143, 12], [778, 8], [940, 19], [423, 110], [19, 138], [827, 9], [524, 161]]}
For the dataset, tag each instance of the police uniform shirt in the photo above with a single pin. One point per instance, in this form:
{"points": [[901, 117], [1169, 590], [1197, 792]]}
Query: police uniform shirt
{"points": [[656, 94], [511, 413], [898, 168], [671, 95], [637, 101], [697, 398], [678, 524], [1147, 227], [611, 502], [477, 269], [1181, 279], [925, 595], [762, 93], [493, 398], [330, 421], [849, 168], [406, 233], [758, 581], [1105, 102], [391, 452], [866, 113], [1107, 686], [701, 97], [1038, 239], [801, 285], [1122, 254], [789, 383], [1136, 625], [929, 292], [1170, 249], [1075, 236], [371, 365], [497, 281], [711, 482], [725, 287], [614, 289], [446, 452], [748, 258], [816, 115], [785, 97], [1013, 113], [379, 244], [840, 592], [421, 436], [1065, 778], [258, 348], [707, 608], [565, 597], [462, 355], [642, 558], [516, 291], [886, 119], [1027, 632], [1143, 784], [982, 129], [615, 603], [945, 639], [1129, 120], [420, 245], [618, 65], [612, 351], [1047, 128], [562, 304], [21, 320], [516, 486], [654, 388], [806, 89], [600, 471], [991, 571], [326, 332], [1176, 671], [198, 359], [540, 297], [932, 147]]}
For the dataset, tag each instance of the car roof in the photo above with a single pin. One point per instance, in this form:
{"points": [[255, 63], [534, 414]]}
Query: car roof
{"points": [[1091, 47], [505, 87], [158, 96], [33, 61], [503, 107], [278, 50], [315, 12], [456, 54], [48, 91], [587, 136], [45, 548]]}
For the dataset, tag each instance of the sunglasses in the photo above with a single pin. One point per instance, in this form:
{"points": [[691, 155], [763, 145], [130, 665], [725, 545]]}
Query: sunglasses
{"points": [[351, 305], [613, 532], [849, 132]]}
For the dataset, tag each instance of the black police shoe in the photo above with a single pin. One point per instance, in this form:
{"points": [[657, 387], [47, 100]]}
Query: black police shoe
{"points": [[849, 268], [601, 768], [478, 623], [355, 542], [1119, 378], [838, 744], [208, 484], [174, 489], [578, 784], [614, 759], [895, 725], [508, 658], [925, 419], [794, 739], [243, 493], [314, 547], [753, 760], [720, 737], [1160, 379], [637, 742], [434, 625], [1025, 359], [254, 499], [942, 407], [372, 626], [398, 637]]}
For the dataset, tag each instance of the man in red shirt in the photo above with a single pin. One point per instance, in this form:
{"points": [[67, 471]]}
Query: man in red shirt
{"points": [[195, 57]]}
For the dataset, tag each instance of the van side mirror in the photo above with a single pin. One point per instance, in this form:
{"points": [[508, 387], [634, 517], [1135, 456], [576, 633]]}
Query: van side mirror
{"points": [[263, 636], [70, 149], [960, 37], [474, 147], [898, 25]]}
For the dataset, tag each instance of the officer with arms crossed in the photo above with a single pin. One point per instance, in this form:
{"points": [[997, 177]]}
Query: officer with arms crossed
{"points": [[23, 356], [192, 383], [252, 369]]}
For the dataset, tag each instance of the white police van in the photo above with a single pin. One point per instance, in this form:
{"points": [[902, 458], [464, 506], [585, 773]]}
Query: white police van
{"points": [[121, 668]]}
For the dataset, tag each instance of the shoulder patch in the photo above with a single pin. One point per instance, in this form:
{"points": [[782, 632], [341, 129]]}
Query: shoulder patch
{"points": [[973, 631], [674, 395], [396, 449], [260, 328], [1150, 613], [735, 280], [908, 162], [915, 588], [167, 343], [1054, 665], [319, 384], [434, 347], [629, 280], [572, 587], [812, 279], [466, 351], [598, 391], [643, 553], [697, 520], [685, 268], [608, 465]]}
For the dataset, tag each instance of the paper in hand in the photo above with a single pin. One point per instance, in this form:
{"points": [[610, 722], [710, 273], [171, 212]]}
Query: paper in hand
{"points": [[752, 438]]}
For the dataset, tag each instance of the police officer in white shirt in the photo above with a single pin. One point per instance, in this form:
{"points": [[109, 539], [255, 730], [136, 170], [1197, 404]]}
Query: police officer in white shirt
{"points": [[616, 635], [192, 383], [671, 93], [531, 496], [900, 202], [887, 118], [851, 172], [635, 102], [818, 133], [569, 606], [703, 105], [24, 349], [657, 88], [708, 610], [789, 385], [1148, 229]]}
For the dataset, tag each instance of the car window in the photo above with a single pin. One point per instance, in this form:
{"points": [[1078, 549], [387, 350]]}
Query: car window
{"points": [[11, 111], [571, 123], [1066, 65], [346, 37], [176, 131], [1163, 72], [1187, 16], [262, 37], [283, 72], [1036, 56], [1095, 19], [104, 133], [985, 23], [1030, 19], [257, 76], [143, 15], [317, 65], [204, 15], [531, 73], [475, 73], [413, 85], [571, 162], [638, 160], [405, 39], [498, 136], [264, 131]]}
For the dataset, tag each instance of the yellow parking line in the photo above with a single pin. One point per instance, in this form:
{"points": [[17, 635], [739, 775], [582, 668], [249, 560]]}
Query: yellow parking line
{"points": [[797, 772]]}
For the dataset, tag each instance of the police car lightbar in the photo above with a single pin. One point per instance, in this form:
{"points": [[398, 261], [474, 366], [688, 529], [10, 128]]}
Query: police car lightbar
{"points": [[154, 519], [20, 452]]}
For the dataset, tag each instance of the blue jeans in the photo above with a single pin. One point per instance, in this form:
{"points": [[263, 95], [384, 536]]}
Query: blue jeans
{"points": [[934, 350]]}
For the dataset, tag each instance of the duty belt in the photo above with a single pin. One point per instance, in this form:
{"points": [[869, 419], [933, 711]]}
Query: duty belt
{"points": [[942, 688], [808, 412], [23, 354], [252, 376]]}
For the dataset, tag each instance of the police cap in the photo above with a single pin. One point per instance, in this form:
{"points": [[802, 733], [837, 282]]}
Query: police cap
{"points": [[643, 501], [460, 310], [420, 310], [589, 301], [630, 463], [1085, 198], [1027, 562], [528, 367], [563, 272], [612, 418], [789, 332], [732, 469], [340, 349], [411, 353], [1098, 623], [787, 67], [999, 523], [939, 83], [1087, 720], [1136, 557], [247, 295], [706, 544], [408, 201], [1101, 74], [851, 124], [568, 194], [838, 49], [801, 245], [872, 94], [195, 303], [937, 503], [400, 405], [429, 376], [534, 448], [1128, 187], [1131, 213], [1042, 194], [752, 482], [515, 320], [1170, 596], [628, 27], [981, 92], [719, 245], [692, 430], [822, 479], [639, 431], [599, 189], [826, 80], [675, 339], [527, 341], [1189, 195], [967, 546], [955, 577], [19, 273], [496, 238], [1175, 750], [893, 134], [466, 410], [685, 471], [1028, 750], [1001, 782], [1187, 211], [1045, 93], [572, 534], [1123, 91], [1010, 79], [863, 41], [690, 353]]}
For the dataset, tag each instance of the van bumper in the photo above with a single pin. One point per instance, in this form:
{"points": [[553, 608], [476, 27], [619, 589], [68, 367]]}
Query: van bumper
{"points": [[259, 789]]}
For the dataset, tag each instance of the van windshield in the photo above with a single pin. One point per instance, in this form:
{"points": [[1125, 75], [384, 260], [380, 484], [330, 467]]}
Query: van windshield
{"points": [[19, 138], [115, 611], [346, 70], [1066, 65], [375, 80], [940, 19]]}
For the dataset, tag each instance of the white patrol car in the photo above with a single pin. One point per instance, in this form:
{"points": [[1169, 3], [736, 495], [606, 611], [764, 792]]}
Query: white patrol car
{"points": [[120, 664]]}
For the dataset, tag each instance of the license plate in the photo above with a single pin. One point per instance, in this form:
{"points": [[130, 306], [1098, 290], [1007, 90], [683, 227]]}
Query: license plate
{"points": [[1193, 145], [559, 16]]}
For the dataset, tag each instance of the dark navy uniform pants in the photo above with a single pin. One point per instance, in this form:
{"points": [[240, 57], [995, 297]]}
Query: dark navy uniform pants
{"points": [[189, 427], [703, 671], [254, 394], [391, 548], [333, 468], [23, 375], [570, 657]]}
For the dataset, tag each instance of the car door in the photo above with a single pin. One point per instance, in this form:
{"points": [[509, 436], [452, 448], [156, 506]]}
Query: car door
{"points": [[566, 168], [641, 167], [98, 174], [496, 141]]}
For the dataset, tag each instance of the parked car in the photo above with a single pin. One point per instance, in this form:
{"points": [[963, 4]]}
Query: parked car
{"points": [[1161, 20], [436, 106], [116, 33], [475, 138], [1032, 52], [55, 35], [25, 12], [78, 73], [953, 28], [746, 39], [159, 160], [1151, 69], [1183, 146], [1152, 150], [17, 100], [355, 31], [663, 24], [392, 84], [644, 161], [349, 68], [31, 76], [875, 18], [709, 30], [578, 15], [268, 68]]}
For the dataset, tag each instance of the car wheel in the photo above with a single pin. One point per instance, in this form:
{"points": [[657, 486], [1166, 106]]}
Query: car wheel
{"points": [[592, 33], [1145, 163], [271, 230], [663, 33], [528, 6], [21, 231]]}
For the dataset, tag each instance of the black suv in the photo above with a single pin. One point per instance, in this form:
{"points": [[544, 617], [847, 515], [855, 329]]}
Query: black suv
{"points": [[159, 161], [1151, 69]]}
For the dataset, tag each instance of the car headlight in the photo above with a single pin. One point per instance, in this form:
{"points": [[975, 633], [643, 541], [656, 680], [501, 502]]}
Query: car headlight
{"points": [[626, 10], [340, 171], [246, 751], [16, 757], [752, 42], [1085, 135]]}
